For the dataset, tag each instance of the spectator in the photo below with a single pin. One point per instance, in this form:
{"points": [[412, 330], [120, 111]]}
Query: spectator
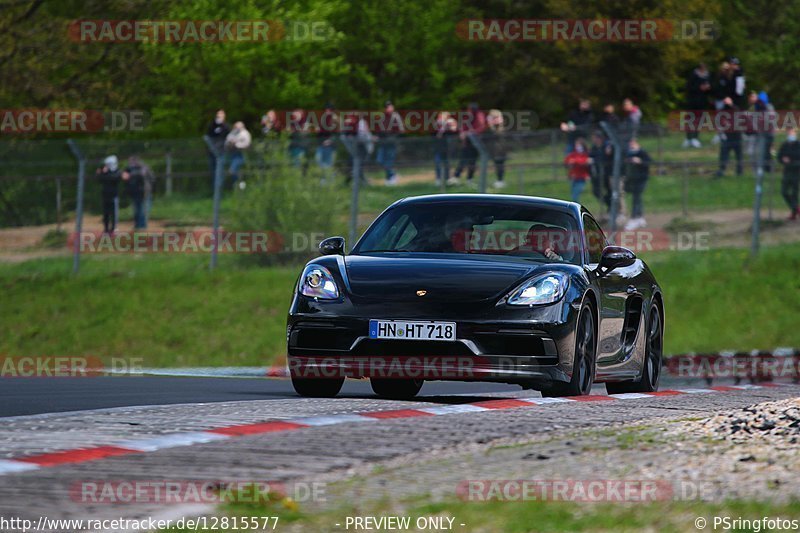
{"points": [[789, 156], [636, 176], [578, 123], [298, 139], [109, 176], [139, 178], [391, 126], [723, 85], [446, 128], [237, 141], [271, 124], [631, 121], [599, 153], [328, 124], [497, 145], [737, 88], [698, 89], [358, 139], [577, 162], [472, 127], [217, 131], [610, 117], [731, 141]]}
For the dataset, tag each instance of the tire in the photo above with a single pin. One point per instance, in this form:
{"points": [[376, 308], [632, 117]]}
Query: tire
{"points": [[653, 359], [317, 388], [396, 389], [583, 365]]}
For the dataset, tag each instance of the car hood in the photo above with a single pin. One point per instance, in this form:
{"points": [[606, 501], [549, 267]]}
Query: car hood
{"points": [[398, 276]]}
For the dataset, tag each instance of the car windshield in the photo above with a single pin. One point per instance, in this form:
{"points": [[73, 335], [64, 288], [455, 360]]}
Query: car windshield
{"points": [[531, 232]]}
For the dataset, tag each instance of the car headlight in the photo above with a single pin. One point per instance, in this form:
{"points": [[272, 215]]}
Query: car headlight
{"points": [[540, 290], [317, 282]]}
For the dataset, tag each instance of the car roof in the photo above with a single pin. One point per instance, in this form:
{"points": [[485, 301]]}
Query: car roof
{"points": [[506, 199]]}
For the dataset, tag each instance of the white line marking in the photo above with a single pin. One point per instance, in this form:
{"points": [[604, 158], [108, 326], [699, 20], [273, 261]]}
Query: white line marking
{"points": [[330, 420], [630, 396], [544, 400], [696, 391], [452, 409], [170, 441], [9, 467]]}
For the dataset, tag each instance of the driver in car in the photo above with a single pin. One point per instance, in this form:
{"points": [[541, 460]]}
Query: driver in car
{"points": [[540, 240]]}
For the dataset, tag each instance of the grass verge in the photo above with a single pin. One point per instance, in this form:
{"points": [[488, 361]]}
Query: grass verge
{"points": [[171, 311]]}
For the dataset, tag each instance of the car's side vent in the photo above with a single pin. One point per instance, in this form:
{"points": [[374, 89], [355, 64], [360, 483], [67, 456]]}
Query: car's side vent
{"points": [[633, 314]]}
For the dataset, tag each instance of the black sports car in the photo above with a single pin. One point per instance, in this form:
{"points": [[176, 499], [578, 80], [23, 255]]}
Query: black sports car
{"points": [[500, 288]]}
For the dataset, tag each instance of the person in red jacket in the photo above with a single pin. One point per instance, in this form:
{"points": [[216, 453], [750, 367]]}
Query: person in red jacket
{"points": [[578, 168]]}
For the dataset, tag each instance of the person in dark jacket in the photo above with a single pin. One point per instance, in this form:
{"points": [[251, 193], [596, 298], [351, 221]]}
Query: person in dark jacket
{"points": [[789, 155], [471, 128], [390, 128], [109, 176], [731, 142], [445, 131], [217, 131], [135, 176], [600, 153], [637, 174], [497, 144], [610, 117], [579, 123], [698, 90], [326, 149]]}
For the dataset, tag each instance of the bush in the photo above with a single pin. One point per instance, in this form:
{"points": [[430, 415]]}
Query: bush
{"points": [[298, 208]]}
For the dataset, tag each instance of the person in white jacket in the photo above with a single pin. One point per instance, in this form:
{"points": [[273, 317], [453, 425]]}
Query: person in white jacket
{"points": [[237, 141]]}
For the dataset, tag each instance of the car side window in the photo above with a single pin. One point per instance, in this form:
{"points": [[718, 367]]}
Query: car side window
{"points": [[595, 240]]}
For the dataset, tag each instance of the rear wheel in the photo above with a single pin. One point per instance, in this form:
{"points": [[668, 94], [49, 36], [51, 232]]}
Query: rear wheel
{"points": [[653, 357], [583, 364], [317, 388], [396, 389]]}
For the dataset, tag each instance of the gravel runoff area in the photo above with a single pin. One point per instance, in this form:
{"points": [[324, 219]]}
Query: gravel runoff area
{"points": [[743, 453]]}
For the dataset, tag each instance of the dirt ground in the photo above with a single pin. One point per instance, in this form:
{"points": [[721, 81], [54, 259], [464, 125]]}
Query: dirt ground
{"points": [[724, 228]]}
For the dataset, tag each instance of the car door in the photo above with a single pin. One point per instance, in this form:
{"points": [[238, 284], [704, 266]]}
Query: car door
{"points": [[613, 295]]}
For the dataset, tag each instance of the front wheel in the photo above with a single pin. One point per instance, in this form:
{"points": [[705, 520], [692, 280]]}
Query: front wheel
{"points": [[653, 357], [396, 389], [317, 388], [580, 384]]}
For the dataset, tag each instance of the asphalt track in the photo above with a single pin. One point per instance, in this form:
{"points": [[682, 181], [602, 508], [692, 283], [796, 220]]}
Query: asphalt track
{"points": [[29, 396]]}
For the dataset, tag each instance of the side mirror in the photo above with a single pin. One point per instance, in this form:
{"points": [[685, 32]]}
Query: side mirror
{"points": [[616, 257], [332, 246]]}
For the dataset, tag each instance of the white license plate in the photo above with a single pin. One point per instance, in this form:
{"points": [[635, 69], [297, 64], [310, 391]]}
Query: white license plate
{"points": [[413, 331]]}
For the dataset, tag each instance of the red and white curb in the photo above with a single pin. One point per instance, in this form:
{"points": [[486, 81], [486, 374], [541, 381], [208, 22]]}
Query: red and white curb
{"points": [[161, 442]]}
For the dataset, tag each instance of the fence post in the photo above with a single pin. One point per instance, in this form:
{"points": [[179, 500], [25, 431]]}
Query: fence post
{"points": [[351, 144], [168, 173], [76, 248], [685, 191], [760, 145], [554, 153], [218, 174], [58, 205], [615, 174], [484, 156]]}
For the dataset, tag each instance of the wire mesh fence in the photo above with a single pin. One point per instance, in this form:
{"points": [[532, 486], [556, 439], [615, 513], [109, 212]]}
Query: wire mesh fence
{"points": [[38, 179]]}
